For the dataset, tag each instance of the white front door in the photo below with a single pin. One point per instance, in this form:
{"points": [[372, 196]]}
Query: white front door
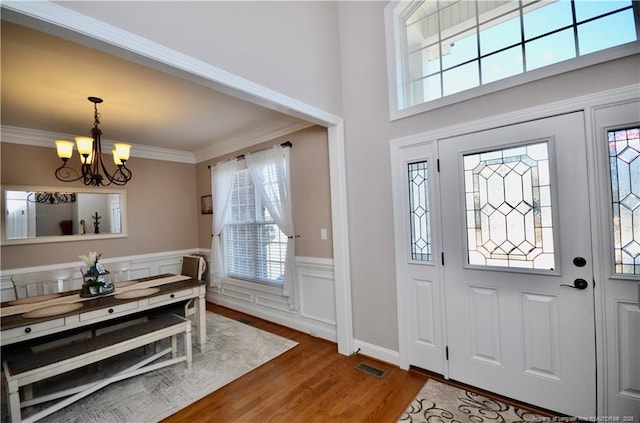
{"points": [[518, 273]]}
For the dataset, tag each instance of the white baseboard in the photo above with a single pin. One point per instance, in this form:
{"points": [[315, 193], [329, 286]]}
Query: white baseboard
{"points": [[379, 353]]}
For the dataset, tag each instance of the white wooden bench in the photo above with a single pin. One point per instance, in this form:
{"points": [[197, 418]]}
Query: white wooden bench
{"points": [[24, 371]]}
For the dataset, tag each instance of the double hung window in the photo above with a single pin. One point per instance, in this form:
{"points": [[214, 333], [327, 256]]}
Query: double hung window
{"points": [[254, 247]]}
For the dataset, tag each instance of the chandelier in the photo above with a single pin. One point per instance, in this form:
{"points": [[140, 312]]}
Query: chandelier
{"points": [[51, 197], [93, 170]]}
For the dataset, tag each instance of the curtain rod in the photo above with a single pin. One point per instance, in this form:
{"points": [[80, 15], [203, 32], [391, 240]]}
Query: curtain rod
{"points": [[284, 144]]}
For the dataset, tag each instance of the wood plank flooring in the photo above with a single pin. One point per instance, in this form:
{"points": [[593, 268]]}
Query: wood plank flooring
{"points": [[309, 383]]}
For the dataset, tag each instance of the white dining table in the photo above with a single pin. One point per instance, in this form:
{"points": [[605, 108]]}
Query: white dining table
{"points": [[23, 321]]}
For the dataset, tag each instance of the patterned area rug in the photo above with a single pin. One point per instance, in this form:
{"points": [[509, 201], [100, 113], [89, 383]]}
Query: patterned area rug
{"points": [[232, 350], [442, 403]]}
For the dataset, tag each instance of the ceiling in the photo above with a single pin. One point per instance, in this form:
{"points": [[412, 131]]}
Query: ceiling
{"points": [[46, 81]]}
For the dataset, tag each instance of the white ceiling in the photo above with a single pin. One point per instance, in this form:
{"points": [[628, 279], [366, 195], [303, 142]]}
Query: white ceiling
{"points": [[46, 81]]}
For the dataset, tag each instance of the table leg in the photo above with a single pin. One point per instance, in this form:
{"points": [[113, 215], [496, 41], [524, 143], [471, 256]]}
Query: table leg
{"points": [[201, 316]]}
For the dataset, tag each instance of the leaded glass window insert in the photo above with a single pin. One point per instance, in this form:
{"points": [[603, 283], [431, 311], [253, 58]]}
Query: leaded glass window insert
{"points": [[419, 214], [624, 152], [508, 208]]}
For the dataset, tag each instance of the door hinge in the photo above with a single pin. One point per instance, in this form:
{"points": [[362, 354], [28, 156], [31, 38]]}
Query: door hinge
{"points": [[446, 352], [442, 257], [438, 165]]}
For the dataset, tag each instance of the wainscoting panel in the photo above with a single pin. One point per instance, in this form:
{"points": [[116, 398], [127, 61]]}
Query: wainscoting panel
{"points": [[316, 298], [141, 266], [316, 289], [317, 295]]}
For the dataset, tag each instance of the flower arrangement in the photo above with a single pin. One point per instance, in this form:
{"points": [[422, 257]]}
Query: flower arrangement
{"points": [[91, 261], [96, 279]]}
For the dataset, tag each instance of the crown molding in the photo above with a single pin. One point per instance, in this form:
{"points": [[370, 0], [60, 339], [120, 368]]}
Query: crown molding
{"points": [[247, 139], [25, 136], [273, 130]]}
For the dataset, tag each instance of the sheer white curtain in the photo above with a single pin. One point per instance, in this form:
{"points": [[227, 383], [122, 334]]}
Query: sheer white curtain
{"points": [[222, 176], [270, 172]]}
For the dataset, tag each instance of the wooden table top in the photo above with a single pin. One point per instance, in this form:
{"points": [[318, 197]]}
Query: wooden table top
{"points": [[96, 303]]}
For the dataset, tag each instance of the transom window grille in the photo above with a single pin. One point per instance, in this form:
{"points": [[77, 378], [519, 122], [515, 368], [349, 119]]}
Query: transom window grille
{"points": [[508, 208], [419, 214], [443, 47], [255, 248], [624, 160]]}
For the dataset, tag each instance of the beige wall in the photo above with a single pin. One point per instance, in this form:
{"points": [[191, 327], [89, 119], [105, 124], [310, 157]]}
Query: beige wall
{"points": [[164, 202], [162, 208], [309, 185]]}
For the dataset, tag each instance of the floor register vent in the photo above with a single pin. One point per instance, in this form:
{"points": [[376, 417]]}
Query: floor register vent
{"points": [[371, 370]]}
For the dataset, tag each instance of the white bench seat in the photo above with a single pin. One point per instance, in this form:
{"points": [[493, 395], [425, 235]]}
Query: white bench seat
{"points": [[24, 371]]}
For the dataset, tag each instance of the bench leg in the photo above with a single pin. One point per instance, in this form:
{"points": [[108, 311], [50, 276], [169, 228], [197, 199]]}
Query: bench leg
{"points": [[174, 346], [201, 319]]}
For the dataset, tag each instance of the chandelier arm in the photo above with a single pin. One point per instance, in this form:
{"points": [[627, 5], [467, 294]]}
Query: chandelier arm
{"points": [[121, 176], [68, 174]]}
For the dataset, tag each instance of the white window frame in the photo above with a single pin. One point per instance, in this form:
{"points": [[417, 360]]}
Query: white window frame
{"points": [[224, 243], [394, 13]]}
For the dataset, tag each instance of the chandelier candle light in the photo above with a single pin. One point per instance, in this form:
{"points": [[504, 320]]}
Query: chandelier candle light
{"points": [[93, 170]]}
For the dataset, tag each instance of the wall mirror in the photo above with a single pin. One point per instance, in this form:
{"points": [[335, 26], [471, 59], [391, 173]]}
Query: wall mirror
{"points": [[33, 214]]}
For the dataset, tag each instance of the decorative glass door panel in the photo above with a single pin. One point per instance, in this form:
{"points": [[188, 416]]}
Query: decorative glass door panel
{"points": [[508, 207], [418, 175], [624, 161]]}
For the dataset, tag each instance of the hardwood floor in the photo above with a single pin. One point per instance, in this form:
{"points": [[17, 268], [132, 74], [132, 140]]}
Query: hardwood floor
{"points": [[309, 383]]}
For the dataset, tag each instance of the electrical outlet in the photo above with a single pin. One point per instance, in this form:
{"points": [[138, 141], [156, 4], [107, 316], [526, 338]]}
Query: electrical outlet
{"points": [[323, 234]]}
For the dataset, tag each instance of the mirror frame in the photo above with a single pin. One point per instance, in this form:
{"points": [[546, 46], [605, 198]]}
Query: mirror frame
{"points": [[64, 238]]}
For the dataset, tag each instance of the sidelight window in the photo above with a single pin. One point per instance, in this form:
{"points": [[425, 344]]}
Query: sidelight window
{"points": [[624, 161], [419, 213]]}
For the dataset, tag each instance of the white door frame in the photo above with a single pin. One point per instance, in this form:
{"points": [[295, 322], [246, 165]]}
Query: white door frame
{"points": [[69, 24], [588, 104]]}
